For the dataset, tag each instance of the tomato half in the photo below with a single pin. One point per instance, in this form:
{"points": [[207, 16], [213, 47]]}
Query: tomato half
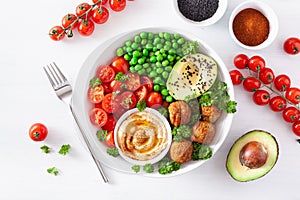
{"points": [[266, 75], [98, 117], [132, 82], [38, 132], [128, 100], [117, 5], [256, 63], [296, 128], [293, 95], [291, 114], [141, 93], [96, 94], [68, 20], [277, 103], [100, 14], [236, 77], [292, 45], [109, 139], [261, 97], [240, 61], [119, 64], [57, 33], [145, 80], [251, 84], [116, 86], [110, 103], [282, 82], [110, 124], [154, 100], [86, 27], [105, 73]]}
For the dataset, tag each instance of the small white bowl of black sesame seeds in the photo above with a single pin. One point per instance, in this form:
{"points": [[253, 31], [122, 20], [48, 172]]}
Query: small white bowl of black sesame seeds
{"points": [[200, 12]]}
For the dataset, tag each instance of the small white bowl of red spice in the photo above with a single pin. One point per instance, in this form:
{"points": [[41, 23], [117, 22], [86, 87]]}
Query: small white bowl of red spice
{"points": [[200, 12], [253, 25]]}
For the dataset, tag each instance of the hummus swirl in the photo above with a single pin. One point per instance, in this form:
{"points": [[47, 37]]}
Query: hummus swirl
{"points": [[142, 136]]}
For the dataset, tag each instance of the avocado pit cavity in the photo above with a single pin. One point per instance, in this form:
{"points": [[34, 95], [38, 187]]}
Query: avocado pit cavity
{"points": [[253, 155]]}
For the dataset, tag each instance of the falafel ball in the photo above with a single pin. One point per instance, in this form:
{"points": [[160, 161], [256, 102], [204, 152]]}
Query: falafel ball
{"points": [[181, 151], [203, 132]]}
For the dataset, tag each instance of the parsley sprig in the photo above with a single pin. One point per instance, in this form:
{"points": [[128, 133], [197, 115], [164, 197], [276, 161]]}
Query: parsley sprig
{"points": [[64, 149]]}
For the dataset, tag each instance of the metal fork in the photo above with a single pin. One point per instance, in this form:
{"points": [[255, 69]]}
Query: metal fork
{"points": [[63, 90]]}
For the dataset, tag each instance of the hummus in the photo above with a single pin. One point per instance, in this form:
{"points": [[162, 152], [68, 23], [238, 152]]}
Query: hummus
{"points": [[142, 136]]}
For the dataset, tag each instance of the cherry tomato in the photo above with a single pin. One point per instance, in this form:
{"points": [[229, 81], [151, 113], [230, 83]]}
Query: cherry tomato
{"points": [[57, 33], [240, 61], [38, 132], [261, 97], [116, 86], [277, 103], [86, 27], [236, 77], [256, 63], [293, 95], [110, 103], [110, 124], [98, 117], [291, 114], [81, 9], [282, 82], [96, 94], [266, 75], [132, 82], [296, 128], [117, 5], [102, 1], [141, 93], [68, 20], [105, 73], [154, 100], [251, 84], [107, 88], [145, 80], [109, 139], [128, 100], [119, 64], [292, 45], [100, 14]]}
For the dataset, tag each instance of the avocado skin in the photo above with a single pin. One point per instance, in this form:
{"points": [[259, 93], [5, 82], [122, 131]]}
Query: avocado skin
{"points": [[229, 165]]}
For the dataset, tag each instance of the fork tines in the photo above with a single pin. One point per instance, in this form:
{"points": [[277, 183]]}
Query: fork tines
{"points": [[55, 76]]}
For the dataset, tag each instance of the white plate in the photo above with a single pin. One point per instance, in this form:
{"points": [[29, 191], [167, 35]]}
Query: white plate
{"points": [[103, 54]]}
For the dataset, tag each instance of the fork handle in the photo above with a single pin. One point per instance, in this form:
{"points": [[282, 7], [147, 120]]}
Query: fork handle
{"points": [[105, 179]]}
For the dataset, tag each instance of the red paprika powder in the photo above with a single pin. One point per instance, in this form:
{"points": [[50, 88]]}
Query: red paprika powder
{"points": [[251, 27]]}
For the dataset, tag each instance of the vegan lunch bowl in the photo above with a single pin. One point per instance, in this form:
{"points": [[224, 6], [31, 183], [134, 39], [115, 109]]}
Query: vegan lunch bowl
{"points": [[154, 101]]}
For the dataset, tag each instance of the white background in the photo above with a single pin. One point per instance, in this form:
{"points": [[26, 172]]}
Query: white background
{"points": [[26, 98]]}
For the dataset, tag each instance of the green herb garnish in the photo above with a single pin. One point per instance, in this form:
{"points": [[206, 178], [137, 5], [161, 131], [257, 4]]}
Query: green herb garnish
{"points": [[121, 77], [166, 166], [136, 168], [101, 135], [148, 168], [180, 132], [45, 149], [64, 149], [113, 152], [190, 47], [141, 105], [53, 170], [201, 151], [95, 82]]}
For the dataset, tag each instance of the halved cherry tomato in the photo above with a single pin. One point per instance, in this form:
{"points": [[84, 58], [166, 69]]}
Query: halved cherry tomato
{"points": [[117, 5], [86, 27], [119, 64], [266, 75], [109, 139], [145, 80], [57, 33], [38, 132], [116, 86], [69, 19], [293, 95], [81, 10], [277, 103], [240, 61], [282, 82], [98, 117], [132, 82], [100, 14], [261, 97], [296, 128], [96, 94], [110, 124], [236, 77], [107, 88], [110, 103], [105, 73], [291, 114], [292, 45], [251, 84], [256, 63], [154, 100], [141, 93], [128, 100]]}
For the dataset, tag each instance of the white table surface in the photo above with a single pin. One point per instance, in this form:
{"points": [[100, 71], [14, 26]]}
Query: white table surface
{"points": [[27, 98]]}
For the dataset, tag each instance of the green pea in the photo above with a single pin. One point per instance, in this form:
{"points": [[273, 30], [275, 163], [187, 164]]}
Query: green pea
{"points": [[134, 45], [136, 53], [175, 45], [171, 58], [128, 43], [153, 59], [144, 35], [176, 36], [145, 52], [156, 41], [146, 65], [152, 74], [172, 52], [169, 99], [158, 64], [159, 57], [157, 80], [159, 70], [137, 39], [149, 46], [141, 60], [120, 52], [167, 47], [141, 71], [164, 92], [138, 67], [168, 68], [150, 36], [159, 46], [165, 63], [132, 69], [165, 75], [134, 61], [127, 57], [180, 41], [148, 70], [161, 34], [167, 36], [156, 88]]}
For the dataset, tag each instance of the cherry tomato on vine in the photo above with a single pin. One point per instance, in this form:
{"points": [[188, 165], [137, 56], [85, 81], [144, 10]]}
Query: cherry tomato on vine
{"points": [[296, 128], [256, 63], [86, 27], [100, 14], [57, 33], [38, 132], [105, 73], [293, 95], [69, 20], [117, 5], [291, 114], [277, 103], [282, 82], [236, 77], [266, 75], [119, 64], [81, 9], [240, 61], [102, 1], [261, 97], [98, 117], [251, 84], [292, 45]]}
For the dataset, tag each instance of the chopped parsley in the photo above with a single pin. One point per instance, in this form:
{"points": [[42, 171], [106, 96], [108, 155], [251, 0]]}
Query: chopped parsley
{"points": [[95, 82], [45, 149], [121, 77], [148, 168], [64, 149], [101, 135], [166, 166], [141, 105], [201, 151], [53, 170], [113, 152], [180, 132], [190, 47], [136, 168]]}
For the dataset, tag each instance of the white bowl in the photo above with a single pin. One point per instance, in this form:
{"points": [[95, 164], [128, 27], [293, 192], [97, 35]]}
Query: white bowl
{"points": [[216, 17], [267, 11], [104, 53]]}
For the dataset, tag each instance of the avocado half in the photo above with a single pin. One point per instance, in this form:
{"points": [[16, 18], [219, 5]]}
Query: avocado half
{"points": [[235, 165]]}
